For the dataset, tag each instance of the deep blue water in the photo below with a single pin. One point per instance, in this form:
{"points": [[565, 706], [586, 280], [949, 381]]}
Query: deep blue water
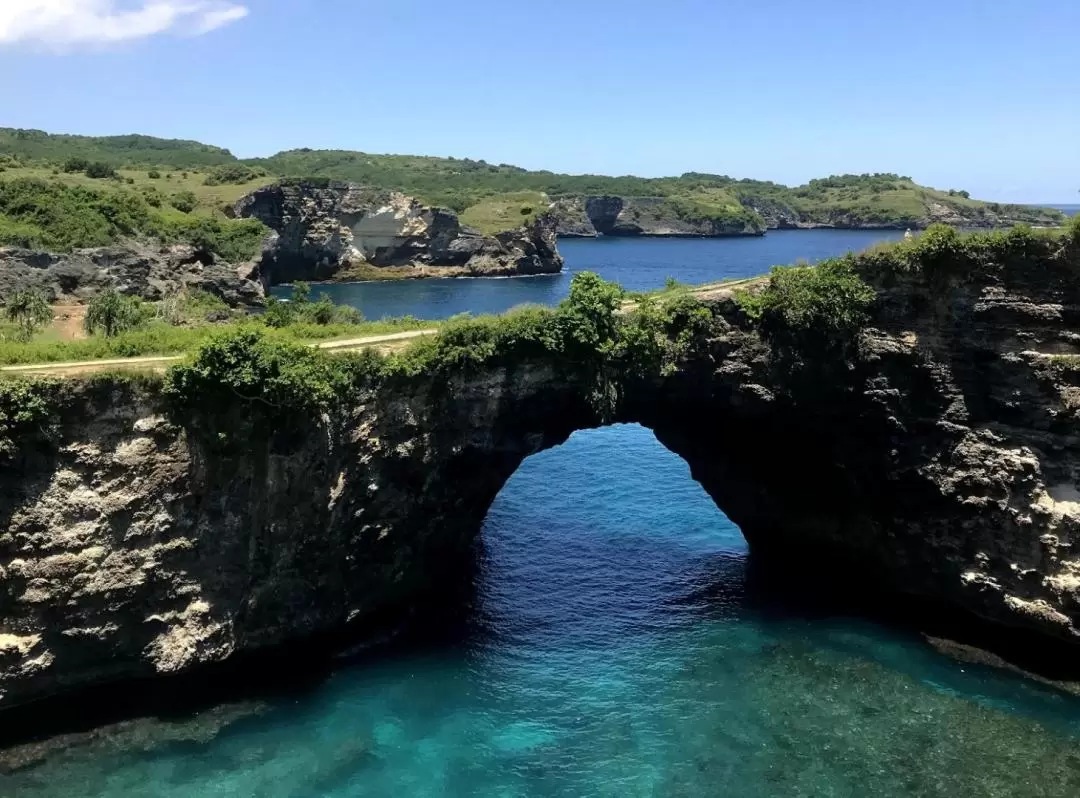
{"points": [[636, 264], [615, 649]]}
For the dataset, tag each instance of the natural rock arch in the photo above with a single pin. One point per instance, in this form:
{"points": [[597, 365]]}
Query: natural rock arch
{"points": [[937, 458]]}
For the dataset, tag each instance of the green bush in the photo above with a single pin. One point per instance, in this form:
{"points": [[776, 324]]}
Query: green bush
{"points": [[184, 201], [111, 313], [27, 411], [154, 174], [58, 217], [231, 174], [244, 383], [100, 170], [235, 240], [75, 164], [811, 305]]}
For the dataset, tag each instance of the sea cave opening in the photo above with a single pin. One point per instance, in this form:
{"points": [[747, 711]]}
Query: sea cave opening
{"points": [[603, 538]]}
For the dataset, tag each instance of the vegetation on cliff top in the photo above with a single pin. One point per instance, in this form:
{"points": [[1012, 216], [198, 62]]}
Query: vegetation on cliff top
{"points": [[243, 382], [122, 326], [116, 151], [485, 192], [52, 215]]}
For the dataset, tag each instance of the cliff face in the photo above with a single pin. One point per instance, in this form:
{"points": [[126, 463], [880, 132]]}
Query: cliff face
{"points": [[323, 230], [940, 459], [589, 216], [148, 272], [642, 216]]}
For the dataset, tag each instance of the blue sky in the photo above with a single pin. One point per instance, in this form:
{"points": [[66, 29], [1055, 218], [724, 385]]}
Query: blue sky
{"points": [[976, 94]]}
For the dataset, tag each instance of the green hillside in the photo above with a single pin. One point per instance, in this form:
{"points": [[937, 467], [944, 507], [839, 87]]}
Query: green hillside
{"points": [[133, 150], [491, 196]]}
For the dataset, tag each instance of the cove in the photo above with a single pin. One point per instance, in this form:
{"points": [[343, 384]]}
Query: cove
{"points": [[615, 648], [638, 264]]}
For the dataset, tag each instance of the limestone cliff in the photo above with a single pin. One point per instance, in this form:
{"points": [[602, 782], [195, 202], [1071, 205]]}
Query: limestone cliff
{"points": [[132, 268], [326, 230], [648, 216], [936, 457], [589, 216]]}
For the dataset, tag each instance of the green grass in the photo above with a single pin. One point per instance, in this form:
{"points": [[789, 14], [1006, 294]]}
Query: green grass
{"points": [[211, 199], [159, 338], [505, 211]]}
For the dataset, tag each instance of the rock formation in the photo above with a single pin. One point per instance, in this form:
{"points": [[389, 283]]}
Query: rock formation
{"points": [[589, 216], [137, 269], [644, 216], [325, 229], [938, 459]]}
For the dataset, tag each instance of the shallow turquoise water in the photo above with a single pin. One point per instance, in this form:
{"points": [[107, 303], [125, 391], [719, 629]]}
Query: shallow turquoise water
{"points": [[615, 650], [638, 264]]}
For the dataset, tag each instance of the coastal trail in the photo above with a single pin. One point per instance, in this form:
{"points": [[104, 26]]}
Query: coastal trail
{"points": [[385, 343]]}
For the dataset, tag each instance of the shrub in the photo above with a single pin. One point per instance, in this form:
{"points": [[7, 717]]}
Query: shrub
{"points": [[29, 311], [244, 381], [111, 313], [811, 305], [100, 170], [27, 410], [72, 165], [154, 174], [278, 314], [230, 174], [62, 217], [184, 201], [233, 239]]}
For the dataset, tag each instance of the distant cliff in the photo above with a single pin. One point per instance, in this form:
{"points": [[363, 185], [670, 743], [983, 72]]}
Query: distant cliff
{"points": [[651, 216], [325, 230], [906, 206]]}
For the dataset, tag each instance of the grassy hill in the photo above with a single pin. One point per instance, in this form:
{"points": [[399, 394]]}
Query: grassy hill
{"points": [[133, 150], [492, 196]]}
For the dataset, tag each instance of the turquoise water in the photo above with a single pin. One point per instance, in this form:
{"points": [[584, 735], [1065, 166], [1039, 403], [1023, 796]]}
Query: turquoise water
{"points": [[615, 649], [638, 264]]}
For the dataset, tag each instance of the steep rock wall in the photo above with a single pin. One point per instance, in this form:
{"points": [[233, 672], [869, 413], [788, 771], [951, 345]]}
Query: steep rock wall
{"points": [[939, 459], [136, 269], [323, 229]]}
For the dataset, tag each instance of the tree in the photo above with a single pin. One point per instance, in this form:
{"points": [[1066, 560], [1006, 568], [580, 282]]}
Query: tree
{"points": [[301, 293], [111, 313], [29, 311], [100, 170], [76, 164]]}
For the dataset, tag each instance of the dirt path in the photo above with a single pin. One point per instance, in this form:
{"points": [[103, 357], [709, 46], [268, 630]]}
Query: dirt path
{"points": [[160, 362], [385, 343]]}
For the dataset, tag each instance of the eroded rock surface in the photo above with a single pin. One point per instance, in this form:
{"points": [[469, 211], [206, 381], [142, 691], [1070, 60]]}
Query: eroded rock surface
{"points": [[132, 268], [940, 461], [324, 230]]}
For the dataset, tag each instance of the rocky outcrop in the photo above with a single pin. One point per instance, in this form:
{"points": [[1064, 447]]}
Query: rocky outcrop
{"points": [[139, 270], [589, 216], [324, 230], [645, 216], [939, 459]]}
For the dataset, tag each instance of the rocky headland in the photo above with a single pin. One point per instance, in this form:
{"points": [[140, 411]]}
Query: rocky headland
{"points": [[134, 268], [754, 215], [908, 425], [325, 230]]}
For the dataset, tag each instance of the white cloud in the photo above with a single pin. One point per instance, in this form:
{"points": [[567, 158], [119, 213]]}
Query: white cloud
{"points": [[90, 22]]}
